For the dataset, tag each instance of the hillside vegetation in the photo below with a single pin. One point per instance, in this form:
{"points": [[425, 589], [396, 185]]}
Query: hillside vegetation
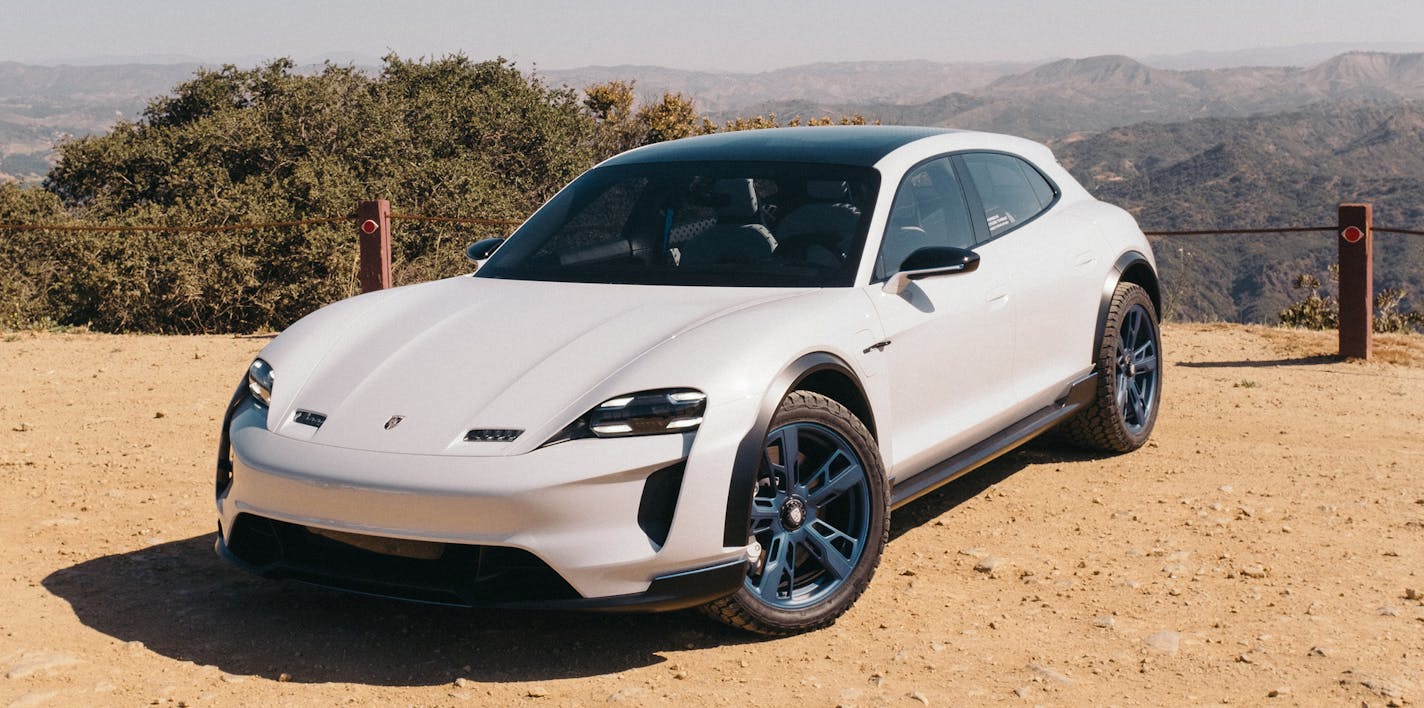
{"points": [[1287, 169], [445, 137]]}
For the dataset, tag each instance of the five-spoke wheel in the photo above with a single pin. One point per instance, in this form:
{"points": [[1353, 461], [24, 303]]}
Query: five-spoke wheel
{"points": [[819, 520], [810, 515]]}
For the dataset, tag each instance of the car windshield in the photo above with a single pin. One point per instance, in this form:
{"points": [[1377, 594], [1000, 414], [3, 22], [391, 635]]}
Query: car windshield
{"points": [[767, 224]]}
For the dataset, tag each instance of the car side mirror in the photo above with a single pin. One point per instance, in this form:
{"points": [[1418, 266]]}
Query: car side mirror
{"points": [[480, 251], [929, 262]]}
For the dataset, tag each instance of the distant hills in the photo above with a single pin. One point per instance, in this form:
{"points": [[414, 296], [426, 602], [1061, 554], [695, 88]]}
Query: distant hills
{"points": [[864, 82], [40, 105], [1097, 93], [1293, 55]]}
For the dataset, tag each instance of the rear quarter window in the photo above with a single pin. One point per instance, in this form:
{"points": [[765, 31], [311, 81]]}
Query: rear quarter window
{"points": [[1011, 190]]}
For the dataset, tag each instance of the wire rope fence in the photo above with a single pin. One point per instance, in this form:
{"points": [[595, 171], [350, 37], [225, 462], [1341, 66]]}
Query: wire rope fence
{"points": [[431, 246]]}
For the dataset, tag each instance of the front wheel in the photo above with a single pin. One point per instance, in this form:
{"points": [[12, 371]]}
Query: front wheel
{"points": [[1129, 367], [820, 517]]}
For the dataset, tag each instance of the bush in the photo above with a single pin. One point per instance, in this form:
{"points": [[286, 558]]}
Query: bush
{"points": [[447, 137], [1316, 311]]}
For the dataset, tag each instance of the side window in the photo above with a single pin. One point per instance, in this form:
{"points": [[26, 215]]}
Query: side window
{"points": [[1011, 190], [928, 210]]}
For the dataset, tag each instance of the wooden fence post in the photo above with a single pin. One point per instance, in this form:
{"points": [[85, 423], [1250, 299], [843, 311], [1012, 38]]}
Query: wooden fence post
{"points": [[1356, 281], [373, 221]]}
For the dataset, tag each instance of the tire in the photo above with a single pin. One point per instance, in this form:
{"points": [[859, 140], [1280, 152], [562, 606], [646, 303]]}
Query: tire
{"points": [[821, 522], [1129, 367]]}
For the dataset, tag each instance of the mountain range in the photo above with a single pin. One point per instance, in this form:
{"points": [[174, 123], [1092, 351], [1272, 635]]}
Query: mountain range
{"points": [[1098, 93], [42, 104]]}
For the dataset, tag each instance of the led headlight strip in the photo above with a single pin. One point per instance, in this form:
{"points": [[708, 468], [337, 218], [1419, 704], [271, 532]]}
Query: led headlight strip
{"points": [[648, 413], [675, 410]]}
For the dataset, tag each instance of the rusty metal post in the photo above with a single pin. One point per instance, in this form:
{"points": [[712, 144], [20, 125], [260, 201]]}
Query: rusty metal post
{"points": [[373, 222], [1357, 295]]}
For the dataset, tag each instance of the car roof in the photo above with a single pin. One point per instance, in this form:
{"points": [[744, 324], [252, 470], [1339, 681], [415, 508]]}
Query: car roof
{"points": [[862, 145]]}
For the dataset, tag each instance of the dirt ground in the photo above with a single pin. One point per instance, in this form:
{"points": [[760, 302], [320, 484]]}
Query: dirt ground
{"points": [[1267, 547]]}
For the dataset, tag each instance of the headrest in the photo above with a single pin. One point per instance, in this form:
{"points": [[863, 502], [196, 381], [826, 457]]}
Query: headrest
{"points": [[741, 200]]}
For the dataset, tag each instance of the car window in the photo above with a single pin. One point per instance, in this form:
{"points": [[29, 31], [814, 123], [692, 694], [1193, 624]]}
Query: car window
{"points": [[929, 210], [1011, 190], [767, 224]]}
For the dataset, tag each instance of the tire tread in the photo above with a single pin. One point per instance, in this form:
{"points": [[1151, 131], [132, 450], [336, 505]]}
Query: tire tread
{"points": [[1098, 426]]}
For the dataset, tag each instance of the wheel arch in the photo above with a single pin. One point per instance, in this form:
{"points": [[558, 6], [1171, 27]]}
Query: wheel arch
{"points": [[818, 372], [1131, 267]]}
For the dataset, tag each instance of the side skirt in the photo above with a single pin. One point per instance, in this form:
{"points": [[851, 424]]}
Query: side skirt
{"points": [[1079, 394]]}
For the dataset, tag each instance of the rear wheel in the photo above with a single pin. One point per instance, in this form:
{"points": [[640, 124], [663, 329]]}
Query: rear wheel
{"points": [[819, 516], [1129, 367]]}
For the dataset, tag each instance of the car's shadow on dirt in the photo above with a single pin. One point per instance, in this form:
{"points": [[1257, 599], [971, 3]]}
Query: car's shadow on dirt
{"points": [[1263, 363], [180, 600]]}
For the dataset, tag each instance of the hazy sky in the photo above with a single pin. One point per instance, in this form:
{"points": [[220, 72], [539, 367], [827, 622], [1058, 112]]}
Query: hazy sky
{"points": [[701, 34]]}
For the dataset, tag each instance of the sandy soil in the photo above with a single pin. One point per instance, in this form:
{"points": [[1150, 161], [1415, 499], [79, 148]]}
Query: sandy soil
{"points": [[1266, 547]]}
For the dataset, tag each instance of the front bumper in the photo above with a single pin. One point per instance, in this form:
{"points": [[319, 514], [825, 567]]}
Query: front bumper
{"points": [[630, 523], [468, 576]]}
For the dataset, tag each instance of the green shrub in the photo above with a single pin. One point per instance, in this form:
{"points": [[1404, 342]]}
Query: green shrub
{"points": [[1317, 311], [445, 137]]}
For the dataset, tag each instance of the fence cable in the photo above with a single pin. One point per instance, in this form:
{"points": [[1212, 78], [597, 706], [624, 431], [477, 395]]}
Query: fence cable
{"points": [[1227, 232], [512, 222], [251, 226], [176, 229]]}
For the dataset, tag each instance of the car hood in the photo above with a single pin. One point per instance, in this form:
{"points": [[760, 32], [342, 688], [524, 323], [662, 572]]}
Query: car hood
{"points": [[466, 353]]}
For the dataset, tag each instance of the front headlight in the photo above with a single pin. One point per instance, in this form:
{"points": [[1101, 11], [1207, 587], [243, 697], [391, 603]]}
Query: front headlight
{"points": [[648, 413], [259, 381], [677, 410]]}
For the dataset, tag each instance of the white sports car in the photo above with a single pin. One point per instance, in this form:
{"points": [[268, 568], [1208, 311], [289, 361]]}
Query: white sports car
{"points": [[703, 374]]}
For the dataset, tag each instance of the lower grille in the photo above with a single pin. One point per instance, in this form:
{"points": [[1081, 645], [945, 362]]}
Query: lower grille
{"points": [[449, 574]]}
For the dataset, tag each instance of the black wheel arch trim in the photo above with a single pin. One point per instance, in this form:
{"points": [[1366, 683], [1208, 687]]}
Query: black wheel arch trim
{"points": [[224, 464], [748, 457], [1129, 263]]}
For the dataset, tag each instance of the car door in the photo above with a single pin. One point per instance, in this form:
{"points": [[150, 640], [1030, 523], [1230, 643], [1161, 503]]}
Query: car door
{"points": [[1054, 256], [950, 336]]}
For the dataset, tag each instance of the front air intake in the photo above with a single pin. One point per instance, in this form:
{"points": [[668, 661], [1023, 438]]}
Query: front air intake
{"points": [[492, 435], [659, 501], [309, 418]]}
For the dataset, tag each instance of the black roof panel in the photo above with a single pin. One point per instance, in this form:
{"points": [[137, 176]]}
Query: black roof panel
{"points": [[834, 144]]}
